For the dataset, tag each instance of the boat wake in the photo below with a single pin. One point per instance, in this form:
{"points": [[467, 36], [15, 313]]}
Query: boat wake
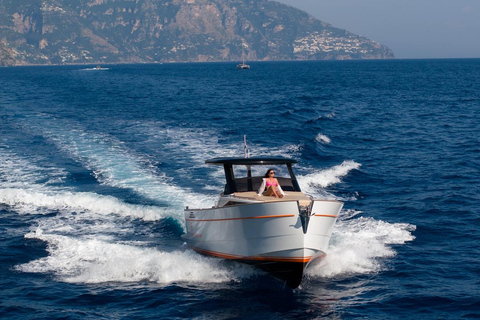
{"points": [[316, 182], [99, 261], [38, 202], [95, 238], [95, 69], [359, 245]]}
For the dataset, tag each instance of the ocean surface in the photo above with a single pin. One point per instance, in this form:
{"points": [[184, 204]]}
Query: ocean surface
{"points": [[96, 167]]}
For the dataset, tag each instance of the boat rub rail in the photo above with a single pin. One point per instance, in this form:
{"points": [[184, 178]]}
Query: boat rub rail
{"points": [[259, 258]]}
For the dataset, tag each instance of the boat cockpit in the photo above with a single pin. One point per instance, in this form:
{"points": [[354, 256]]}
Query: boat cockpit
{"points": [[244, 177]]}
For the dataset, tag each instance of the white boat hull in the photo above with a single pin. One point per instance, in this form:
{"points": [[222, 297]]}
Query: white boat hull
{"points": [[276, 236]]}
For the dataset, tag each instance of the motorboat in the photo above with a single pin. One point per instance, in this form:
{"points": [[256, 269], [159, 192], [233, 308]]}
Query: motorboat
{"points": [[281, 236], [97, 68]]}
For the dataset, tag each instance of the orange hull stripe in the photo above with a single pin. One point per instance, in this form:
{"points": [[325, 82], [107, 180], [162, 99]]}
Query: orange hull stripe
{"points": [[254, 258], [325, 215], [246, 218]]}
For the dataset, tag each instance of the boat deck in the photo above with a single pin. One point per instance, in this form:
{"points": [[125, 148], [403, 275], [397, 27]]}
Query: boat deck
{"points": [[289, 196]]}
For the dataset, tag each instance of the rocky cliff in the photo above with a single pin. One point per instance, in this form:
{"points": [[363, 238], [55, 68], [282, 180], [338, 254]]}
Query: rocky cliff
{"points": [[129, 31]]}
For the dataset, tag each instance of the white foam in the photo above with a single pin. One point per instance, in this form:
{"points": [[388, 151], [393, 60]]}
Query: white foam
{"points": [[20, 189], [18, 172], [30, 201], [95, 69], [358, 246], [96, 261], [323, 139], [314, 182]]}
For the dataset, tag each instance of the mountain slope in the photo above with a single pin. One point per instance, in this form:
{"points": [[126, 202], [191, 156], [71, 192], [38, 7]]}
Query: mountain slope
{"points": [[118, 31]]}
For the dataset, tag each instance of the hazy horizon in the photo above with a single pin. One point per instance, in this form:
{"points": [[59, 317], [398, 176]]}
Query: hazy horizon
{"points": [[412, 29]]}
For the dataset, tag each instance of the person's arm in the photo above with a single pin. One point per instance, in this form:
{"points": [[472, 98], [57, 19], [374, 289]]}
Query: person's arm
{"points": [[262, 188]]}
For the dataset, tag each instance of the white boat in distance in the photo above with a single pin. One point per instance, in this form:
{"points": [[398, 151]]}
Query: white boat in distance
{"points": [[279, 235], [243, 65], [97, 68]]}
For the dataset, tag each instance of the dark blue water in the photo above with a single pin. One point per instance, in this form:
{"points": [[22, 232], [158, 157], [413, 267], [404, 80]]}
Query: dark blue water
{"points": [[97, 166]]}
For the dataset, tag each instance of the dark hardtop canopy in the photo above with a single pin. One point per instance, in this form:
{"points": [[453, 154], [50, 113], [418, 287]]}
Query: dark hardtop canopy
{"points": [[251, 161], [250, 183]]}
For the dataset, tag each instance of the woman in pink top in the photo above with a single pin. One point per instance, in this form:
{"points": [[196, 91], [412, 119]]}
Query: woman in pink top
{"points": [[272, 184]]}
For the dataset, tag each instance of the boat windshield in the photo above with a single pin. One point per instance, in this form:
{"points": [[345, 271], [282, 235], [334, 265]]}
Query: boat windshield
{"points": [[241, 171], [246, 174], [249, 178]]}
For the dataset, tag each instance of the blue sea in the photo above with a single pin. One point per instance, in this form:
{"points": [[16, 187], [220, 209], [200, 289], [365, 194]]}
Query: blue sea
{"points": [[96, 167]]}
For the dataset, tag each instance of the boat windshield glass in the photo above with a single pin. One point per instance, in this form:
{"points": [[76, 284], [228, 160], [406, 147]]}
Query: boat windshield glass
{"points": [[240, 171]]}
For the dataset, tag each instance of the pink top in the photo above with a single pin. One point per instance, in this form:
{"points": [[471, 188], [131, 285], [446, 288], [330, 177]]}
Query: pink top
{"points": [[269, 183]]}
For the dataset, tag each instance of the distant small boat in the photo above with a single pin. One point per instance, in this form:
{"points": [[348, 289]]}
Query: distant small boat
{"points": [[243, 65], [97, 68]]}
